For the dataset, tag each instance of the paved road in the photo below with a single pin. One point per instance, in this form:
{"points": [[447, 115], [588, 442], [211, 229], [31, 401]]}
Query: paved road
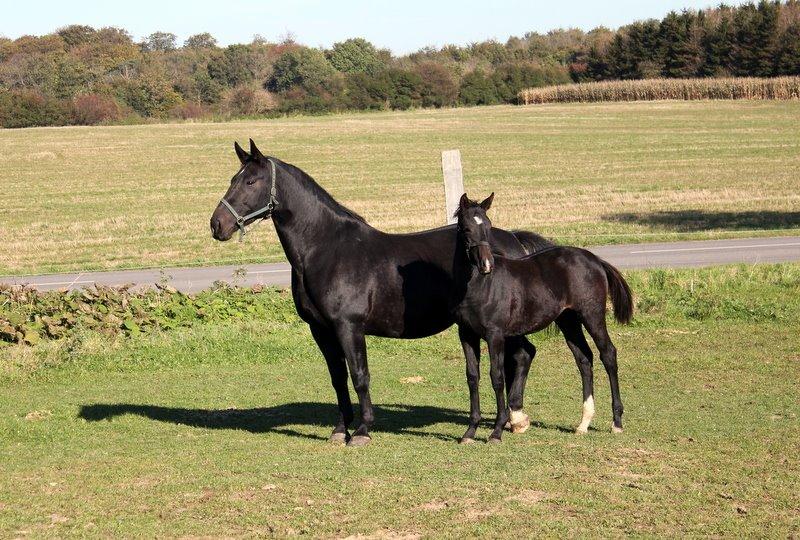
{"points": [[658, 255]]}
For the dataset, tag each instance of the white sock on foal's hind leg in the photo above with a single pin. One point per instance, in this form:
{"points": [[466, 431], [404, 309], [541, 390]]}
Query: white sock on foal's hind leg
{"points": [[519, 422], [586, 416]]}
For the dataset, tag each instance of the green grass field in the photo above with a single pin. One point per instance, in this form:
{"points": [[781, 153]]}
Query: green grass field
{"points": [[220, 430], [114, 197]]}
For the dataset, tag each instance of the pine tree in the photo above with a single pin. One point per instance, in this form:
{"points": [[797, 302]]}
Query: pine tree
{"points": [[789, 56], [718, 45], [681, 50]]}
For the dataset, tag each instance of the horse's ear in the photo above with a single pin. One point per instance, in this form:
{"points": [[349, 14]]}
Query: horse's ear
{"points": [[463, 203], [240, 152], [487, 202], [254, 151]]}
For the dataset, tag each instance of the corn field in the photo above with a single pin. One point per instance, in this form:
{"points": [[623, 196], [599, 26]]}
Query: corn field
{"points": [[659, 89]]}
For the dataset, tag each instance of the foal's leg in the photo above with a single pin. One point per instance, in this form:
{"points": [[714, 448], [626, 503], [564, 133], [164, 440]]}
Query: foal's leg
{"points": [[354, 346], [596, 325], [519, 354], [334, 357], [496, 353], [472, 353], [570, 326]]}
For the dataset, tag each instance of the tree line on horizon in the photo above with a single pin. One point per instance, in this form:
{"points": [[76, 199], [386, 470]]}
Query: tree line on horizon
{"points": [[85, 76]]}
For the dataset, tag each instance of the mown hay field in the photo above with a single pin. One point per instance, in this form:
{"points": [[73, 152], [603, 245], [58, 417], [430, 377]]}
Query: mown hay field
{"points": [[136, 196]]}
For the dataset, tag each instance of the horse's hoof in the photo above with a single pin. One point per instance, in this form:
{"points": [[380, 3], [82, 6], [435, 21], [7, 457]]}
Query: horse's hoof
{"points": [[507, 426], [359, 440], [338, 438], [493, 440], [615, 429], [581, 431], [466, 440]]}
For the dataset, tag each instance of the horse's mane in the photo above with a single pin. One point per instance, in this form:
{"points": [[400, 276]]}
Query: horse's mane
{"points": [[322, 195]]}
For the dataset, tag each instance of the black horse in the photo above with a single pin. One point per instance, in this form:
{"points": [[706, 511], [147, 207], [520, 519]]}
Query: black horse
{"points": [[496, 297], [350, 280]]}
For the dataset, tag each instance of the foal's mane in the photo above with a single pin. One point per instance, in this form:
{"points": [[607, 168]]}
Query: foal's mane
{"points": [[320, 194]]}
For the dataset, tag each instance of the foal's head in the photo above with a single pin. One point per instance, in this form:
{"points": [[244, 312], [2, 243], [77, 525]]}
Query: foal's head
{"points": [[475, 232], [248, 193]]}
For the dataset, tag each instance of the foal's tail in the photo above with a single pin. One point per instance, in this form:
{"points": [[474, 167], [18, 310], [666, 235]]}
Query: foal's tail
{"points": [[620, 293]]}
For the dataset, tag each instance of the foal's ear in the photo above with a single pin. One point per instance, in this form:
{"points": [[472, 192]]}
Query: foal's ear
{"points": [[463, 203], [240, 152], [487, 202], [254, 151]]}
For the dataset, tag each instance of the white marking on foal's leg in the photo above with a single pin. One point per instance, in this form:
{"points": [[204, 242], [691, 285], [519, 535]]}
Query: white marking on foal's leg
{"points": [[519, 421], [588, 414]]}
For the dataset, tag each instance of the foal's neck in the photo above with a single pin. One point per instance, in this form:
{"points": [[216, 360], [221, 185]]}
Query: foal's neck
{"points": [[307, 216]]}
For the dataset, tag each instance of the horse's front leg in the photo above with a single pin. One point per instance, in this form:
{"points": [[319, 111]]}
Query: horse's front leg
{"points": [[496, 355], [472, 354], [354, 346], [519, 354], [328, 344]]}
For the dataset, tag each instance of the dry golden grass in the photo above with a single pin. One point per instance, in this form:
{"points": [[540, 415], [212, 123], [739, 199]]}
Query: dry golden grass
{"points": [[134, 196], [660, 89]]}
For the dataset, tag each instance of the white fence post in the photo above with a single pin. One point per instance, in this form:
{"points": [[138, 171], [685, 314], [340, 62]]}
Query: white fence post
{"points": [[453, 183]]}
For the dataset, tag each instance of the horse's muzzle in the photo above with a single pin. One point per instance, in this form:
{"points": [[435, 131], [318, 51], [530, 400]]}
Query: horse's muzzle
{"points": [[222, 226]]}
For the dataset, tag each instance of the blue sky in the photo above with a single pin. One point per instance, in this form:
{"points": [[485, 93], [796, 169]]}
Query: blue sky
{"points": [[400, 25]]}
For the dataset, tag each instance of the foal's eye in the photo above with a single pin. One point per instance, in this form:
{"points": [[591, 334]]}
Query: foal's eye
{"points": [[251, 182]]}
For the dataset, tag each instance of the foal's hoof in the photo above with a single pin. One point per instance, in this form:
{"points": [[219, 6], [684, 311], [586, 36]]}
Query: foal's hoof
{"points": [[581, 430], [338, 438], [466, 440], [615, 429], [507, 426], [493, 440], [359, 440], [520, 424]]}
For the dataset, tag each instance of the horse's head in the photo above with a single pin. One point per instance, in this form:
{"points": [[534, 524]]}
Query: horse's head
{"points": [[251, 195], [475, 232]]}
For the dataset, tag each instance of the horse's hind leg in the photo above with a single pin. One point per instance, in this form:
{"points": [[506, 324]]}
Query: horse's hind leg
{"points": [[519, 354], [496, 353], [472, 354], [596, 325], [570, 326], [329, 346]]}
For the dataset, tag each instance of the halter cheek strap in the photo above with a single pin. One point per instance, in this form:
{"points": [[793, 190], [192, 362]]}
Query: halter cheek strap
{"points": [[266, 211]]}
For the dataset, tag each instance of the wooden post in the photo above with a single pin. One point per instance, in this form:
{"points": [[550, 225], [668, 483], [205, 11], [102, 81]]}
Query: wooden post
{"points": [[453, 183]]}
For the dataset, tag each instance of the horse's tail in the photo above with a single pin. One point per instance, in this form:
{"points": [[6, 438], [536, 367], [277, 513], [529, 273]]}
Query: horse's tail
{"points": [[532, 242], [620, 293]]}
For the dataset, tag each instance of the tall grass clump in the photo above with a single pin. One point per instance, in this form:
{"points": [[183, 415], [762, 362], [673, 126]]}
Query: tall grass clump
{"points": [[752, 88]]}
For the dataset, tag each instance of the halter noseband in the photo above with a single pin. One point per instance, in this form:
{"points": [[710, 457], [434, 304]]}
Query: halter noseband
{"points": [[267, 210], [469, 244]]}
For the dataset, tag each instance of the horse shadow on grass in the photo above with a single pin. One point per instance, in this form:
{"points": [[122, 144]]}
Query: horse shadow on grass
{"points": [[701, 220], [391, 418]]}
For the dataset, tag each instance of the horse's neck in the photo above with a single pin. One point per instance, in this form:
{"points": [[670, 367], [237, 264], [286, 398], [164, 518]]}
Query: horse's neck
{"points": [[463, 271], [307, 216]]}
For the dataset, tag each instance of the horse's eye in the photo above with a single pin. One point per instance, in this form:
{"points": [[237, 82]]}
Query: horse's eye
{"points": [[251, 182]]}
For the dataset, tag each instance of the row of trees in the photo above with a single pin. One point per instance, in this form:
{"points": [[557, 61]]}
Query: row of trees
{"points": [[749, 41], [82, 75]]}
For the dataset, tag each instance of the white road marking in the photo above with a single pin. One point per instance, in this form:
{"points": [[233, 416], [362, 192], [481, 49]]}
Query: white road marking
{"points": [[674, 250], [53, 283], [271, 271]]}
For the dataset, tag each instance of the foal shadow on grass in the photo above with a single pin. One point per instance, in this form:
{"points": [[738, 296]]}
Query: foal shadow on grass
{"points": [[399, 419]]}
